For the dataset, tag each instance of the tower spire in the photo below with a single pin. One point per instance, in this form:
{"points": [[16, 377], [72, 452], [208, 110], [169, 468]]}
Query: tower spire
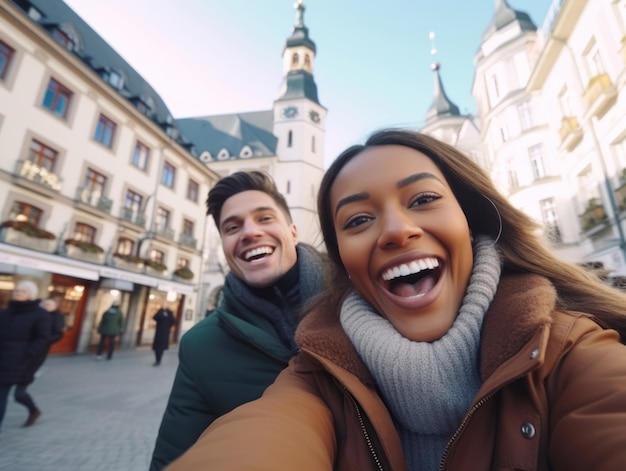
{"points": [[441, 105]]}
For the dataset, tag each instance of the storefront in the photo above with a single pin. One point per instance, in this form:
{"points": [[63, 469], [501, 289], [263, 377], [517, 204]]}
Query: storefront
{"points": [[85, 291]]}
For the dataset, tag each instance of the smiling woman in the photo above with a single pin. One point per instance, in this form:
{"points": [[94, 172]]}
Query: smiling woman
{"points": [[451, 337]]}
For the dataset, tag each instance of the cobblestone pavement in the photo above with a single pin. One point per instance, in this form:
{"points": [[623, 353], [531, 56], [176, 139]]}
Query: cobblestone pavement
{"points": [[97, 415]]}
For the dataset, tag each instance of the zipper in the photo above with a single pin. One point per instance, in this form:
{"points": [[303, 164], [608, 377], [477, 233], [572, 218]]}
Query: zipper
{"points": [[364, 429]]}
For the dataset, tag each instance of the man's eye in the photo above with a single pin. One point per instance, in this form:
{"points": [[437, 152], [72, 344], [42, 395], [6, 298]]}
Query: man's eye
{"points": [[265, 218], [356, 221], [230, 229], [424, 198]]}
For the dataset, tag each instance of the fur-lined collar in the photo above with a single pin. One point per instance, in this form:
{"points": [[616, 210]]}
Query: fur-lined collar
{"points": [[522, 304]]}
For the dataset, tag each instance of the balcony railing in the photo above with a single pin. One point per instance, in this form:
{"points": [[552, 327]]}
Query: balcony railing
{"points": [[94, 199], [132, 216], [41, 176], [163, 231], [570, 133], [600, 95], [187, 241]]}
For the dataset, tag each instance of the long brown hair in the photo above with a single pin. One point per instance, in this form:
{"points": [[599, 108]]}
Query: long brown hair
{"points": [[488, 212]]}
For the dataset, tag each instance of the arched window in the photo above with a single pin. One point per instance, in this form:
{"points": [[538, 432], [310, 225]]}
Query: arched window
{"points": [[307, 62], [295, 59]]}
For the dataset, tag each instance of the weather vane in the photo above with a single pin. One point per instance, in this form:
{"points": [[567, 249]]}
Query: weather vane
{"points": [[433, 50]]}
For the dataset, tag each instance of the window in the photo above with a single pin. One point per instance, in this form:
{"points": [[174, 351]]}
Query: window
{"points": [[313, 144], [157, 255], [105, 130], [66, 38], [295, 59], [125, 246], [290, 139], [84, 232], [169, 174], [525, 115], [6, 54], [565, 103], [550, 219], [536, 161], [162, 218], [193, 190], [141, 156], [57, 98], [116, 79], [21, 211], [593, 59], [182, 263], [307, 62], [132, 201], [94, 181], [42, 155], [188, 227]]}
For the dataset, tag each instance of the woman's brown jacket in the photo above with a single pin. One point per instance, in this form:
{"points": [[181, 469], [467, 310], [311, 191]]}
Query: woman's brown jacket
{"points": [[553, 398]]}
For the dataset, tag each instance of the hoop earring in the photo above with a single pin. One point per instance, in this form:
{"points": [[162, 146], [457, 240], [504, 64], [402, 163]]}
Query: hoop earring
{"points": [[499, 218]]}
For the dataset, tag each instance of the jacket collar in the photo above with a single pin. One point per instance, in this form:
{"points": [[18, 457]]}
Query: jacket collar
{"points": [[521, 307]]}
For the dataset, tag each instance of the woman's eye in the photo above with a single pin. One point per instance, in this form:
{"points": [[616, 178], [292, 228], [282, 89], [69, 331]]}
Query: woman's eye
{"points": [[356, 221], [424, 198]]}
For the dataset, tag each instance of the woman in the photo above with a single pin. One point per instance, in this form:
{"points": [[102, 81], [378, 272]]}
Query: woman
{"points": [[452, 338]]}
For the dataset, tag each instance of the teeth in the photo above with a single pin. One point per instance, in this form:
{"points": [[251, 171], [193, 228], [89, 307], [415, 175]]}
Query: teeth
{"points": [[411, 269], [257, 251]]}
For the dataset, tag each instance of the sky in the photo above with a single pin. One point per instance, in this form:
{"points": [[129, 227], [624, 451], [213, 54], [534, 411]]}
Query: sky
{"points": [[372, 67]]}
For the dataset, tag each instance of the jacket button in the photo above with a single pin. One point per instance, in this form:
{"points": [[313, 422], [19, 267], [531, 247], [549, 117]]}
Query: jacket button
{"points": [[528, 430], [534, 354]]}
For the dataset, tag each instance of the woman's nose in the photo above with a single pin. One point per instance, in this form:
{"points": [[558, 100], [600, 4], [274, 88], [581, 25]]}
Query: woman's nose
{"points": [[397, 228]]}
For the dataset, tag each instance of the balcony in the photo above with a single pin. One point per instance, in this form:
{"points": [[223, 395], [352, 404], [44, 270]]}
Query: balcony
{"points": [[600, 95], [594, 215], [570, 133], [84, 251], [164, 232], [132, 216], [40, 176], [93, 199], [28, 237], [188, 241]]}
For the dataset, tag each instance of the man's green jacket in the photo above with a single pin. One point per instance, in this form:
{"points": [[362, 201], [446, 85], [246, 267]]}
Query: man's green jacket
{"points": [[232, 356]]}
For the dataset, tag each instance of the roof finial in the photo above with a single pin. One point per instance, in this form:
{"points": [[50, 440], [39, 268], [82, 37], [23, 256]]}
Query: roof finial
{"points": [[299, 6], [433, 50]]}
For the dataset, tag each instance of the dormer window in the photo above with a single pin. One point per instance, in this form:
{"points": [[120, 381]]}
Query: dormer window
{"points": [[206, 157], [246, 152], [116, 79], [67, 37], [145, 105], [223, 154]]}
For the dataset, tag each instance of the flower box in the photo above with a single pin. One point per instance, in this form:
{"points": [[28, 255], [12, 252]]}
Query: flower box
{"points": [[13, 236], [76, 252]]}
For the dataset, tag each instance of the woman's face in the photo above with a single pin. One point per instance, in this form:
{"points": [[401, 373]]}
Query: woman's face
{"points": [[403, 239]]}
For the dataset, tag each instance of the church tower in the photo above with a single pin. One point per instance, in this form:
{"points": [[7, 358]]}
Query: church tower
{"points": [[299, 121]]}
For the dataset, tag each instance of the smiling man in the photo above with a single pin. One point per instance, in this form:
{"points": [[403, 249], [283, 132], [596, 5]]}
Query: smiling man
{"points": [[230, 357]]}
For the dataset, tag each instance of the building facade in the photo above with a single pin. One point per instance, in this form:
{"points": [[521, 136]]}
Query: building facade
{"points": [[101, 196]]}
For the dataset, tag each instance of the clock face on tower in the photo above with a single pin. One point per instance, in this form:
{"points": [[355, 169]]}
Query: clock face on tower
{"points": [[290, 112], [315, 116]]}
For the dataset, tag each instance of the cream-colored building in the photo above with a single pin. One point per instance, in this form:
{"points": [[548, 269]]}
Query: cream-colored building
{"points": [[101, 196], [552, 104]]}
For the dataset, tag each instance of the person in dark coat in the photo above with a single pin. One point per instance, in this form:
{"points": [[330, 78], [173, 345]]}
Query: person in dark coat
{"points": [[111, 325], [164, 319], [24, 337]]}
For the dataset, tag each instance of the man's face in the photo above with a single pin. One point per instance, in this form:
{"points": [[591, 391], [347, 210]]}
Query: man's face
{"points": [[258, 240]]}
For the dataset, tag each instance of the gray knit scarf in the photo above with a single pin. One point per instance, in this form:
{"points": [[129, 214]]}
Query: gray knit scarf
{"points": [[427, 386]]}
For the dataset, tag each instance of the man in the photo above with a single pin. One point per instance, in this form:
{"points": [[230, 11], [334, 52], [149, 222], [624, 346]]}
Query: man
{"points": [[24, 337], [111, 325], [231, 356]]}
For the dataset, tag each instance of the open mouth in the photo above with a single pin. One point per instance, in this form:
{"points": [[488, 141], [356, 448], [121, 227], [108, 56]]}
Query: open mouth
{"points": [[257, 253], [413, 279]]}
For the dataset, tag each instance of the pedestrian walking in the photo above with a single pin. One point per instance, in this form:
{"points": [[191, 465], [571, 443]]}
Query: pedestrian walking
{"points": [[164, 319], [24, 337], [111, 325]]}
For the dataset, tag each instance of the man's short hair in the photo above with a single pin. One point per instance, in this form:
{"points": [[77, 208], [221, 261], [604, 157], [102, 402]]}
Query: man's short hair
{"points": [[239, 182]]}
